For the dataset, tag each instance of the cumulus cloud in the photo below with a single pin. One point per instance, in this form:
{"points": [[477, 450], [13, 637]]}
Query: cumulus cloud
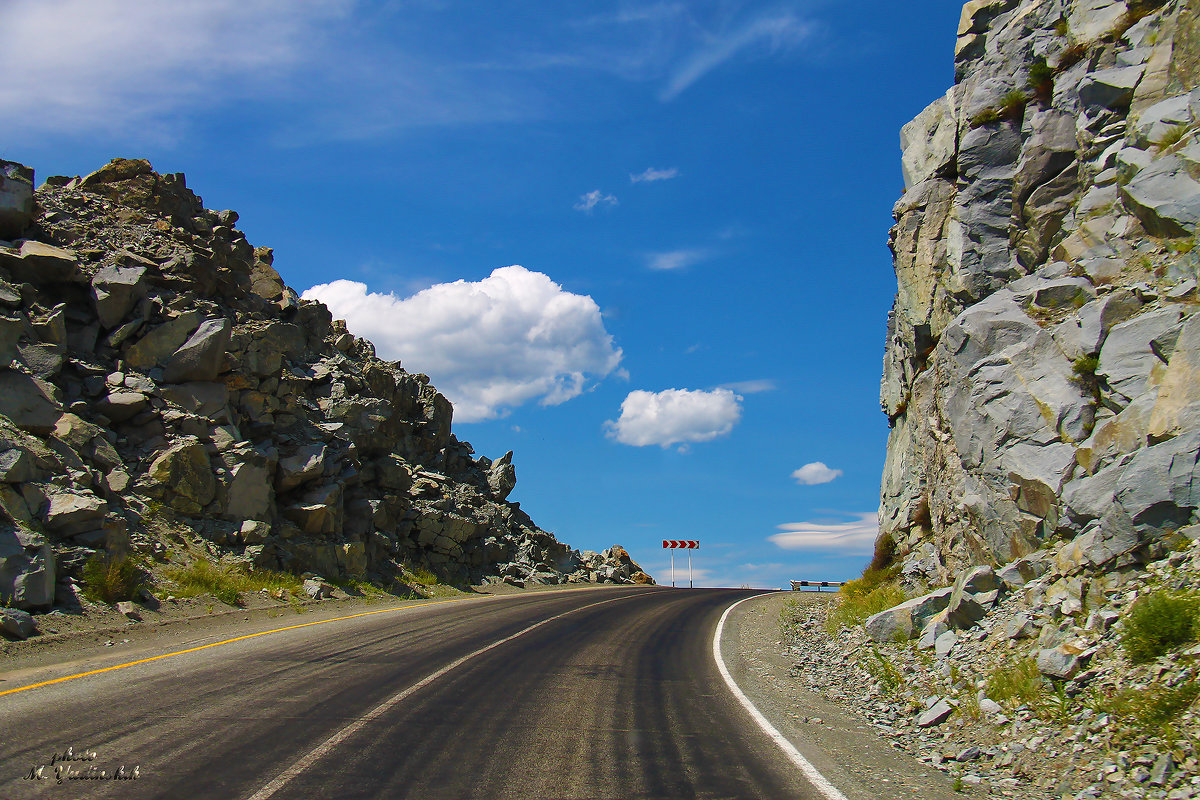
{"points": [[675, 416], [587, 202], [489, 345], [854, 537], [815, 473], [675, 259], [651, 175]]}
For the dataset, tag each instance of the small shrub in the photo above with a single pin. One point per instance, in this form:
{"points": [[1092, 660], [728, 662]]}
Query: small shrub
{"points": [[1158, 623], [1041, 76], [1058, 706], [1012, 105], [1017, 684], [987, 116], [968, 704], [111, 579], [1154, 707], [1070, 57], [885, 553], [1085, 366], [884, 672], [1173, 136]]}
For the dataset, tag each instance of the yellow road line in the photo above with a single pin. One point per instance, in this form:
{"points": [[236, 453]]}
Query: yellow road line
{"points": [[218, 644]]}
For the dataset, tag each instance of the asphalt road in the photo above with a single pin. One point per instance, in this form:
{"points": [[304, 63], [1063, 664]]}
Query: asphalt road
{"points": [[587, 694]]}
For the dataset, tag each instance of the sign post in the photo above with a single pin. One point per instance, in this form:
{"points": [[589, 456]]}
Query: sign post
{"points": [[686, 544]]}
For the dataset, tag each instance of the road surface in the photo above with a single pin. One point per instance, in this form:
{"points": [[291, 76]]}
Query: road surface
{"points": [[608, 693]]}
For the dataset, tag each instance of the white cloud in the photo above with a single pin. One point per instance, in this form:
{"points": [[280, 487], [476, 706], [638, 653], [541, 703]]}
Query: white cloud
{"points": [[675, 259], [675, 416], [856, 537], [594, 198], [772, 33], [117, 64], [751, 387], [815, 473], [490, 345], [651, 175]]}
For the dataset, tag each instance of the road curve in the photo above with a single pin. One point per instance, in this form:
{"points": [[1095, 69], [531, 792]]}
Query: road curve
{"points": [[588, 694]]}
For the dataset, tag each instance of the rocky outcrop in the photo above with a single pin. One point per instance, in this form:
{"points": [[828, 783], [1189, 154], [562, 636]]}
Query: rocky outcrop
{"points": [[1039, 375], [159, 380]]}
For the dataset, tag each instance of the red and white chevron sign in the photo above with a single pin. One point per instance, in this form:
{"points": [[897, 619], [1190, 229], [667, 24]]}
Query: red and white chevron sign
{"points": [[686, 544]]}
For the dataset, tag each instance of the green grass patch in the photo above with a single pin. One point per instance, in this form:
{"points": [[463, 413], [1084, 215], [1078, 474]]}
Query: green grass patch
{"points": [[227, 583], [859, 599], [1016, 684], [1153, 708], [111, 579], [1158, 623], [880, 667]]}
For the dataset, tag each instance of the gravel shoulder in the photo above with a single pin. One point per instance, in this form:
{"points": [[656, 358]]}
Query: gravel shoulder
{"points": [[860, 762]]}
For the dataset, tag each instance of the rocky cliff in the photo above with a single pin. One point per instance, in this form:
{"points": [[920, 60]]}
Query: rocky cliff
{"points": [[160, 384], [1042, 370]]}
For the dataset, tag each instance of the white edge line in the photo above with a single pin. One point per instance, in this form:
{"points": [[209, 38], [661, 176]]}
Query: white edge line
{"points": [[307, 760], [812, 773]]}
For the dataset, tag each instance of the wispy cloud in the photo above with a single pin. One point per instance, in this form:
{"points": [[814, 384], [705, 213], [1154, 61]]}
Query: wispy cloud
{"points": [[676, 259], [651, 175], [770, 34], [853, 537], [751, 387], [815, 473], [588, 202]]}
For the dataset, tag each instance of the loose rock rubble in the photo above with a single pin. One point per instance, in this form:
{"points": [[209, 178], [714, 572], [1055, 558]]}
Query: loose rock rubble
{"points": [[923, 676], [161, 386]]}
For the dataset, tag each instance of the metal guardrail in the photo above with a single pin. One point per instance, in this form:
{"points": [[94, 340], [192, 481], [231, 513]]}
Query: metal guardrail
{"points": [[800, 586]]}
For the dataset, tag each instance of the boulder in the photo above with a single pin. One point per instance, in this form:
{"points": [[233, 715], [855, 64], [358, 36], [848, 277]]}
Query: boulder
{"points": [[1164, 195], [249, 494], [161, 342], [27, 569], [502, 476], [39, 264], [11, 329], [71, 513], [16, 199], [16, 624], [1177, 406], [936, 714], [120, 406], [899, 622], [31, 403], [115, 290], [1127, 357], [1110, 88], [201, 357], [304, 464], [1057, 663], [185, 476]]}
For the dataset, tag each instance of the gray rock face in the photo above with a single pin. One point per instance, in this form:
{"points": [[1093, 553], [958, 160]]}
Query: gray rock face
{"points": [[1040, 345], [158, 381]]}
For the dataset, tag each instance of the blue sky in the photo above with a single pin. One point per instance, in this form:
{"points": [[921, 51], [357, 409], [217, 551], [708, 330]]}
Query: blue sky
{"points": [[643, 245]]}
